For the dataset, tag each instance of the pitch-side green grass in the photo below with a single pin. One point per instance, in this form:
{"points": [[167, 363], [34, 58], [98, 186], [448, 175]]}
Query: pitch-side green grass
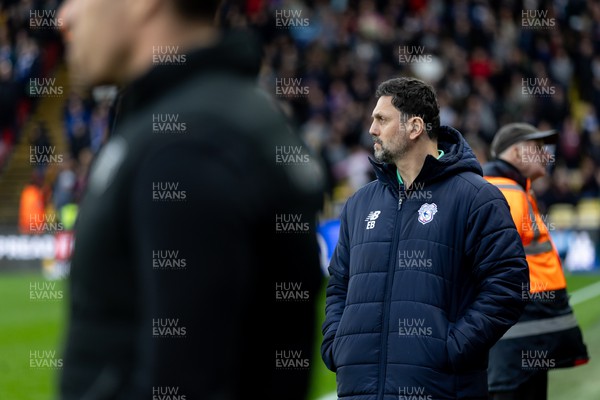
{"points": [[29, 326]]}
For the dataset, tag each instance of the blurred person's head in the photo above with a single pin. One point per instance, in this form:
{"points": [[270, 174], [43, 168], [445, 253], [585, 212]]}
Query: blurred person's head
{"points": [[112, 42], [80, 129], [529, 157], [84, 160], [5, 70], [406, 117], [37, 178], [525, 147], [587, 166], [561, 179], [39, 132]]}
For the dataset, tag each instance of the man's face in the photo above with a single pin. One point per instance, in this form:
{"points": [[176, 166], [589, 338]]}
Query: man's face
{"points": [[98, 36], [534, 159], [388, 132]]}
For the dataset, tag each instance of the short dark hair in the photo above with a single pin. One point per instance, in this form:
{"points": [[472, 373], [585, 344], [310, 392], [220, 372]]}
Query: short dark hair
{"points": [[197, 9], [413, 97]]}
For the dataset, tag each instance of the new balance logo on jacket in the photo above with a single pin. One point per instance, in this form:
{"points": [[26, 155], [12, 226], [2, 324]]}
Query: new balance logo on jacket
{"points": [[373, 215]]}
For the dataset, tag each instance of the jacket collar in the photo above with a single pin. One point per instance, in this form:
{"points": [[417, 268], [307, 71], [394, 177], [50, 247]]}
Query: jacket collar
{"points": [[501, 168]]}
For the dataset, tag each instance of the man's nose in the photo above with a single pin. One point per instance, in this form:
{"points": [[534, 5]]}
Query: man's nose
{"points": [[373, 129]]}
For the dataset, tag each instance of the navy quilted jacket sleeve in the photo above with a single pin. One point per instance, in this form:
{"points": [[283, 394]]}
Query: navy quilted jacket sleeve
{"points": [[337, 289], [497, 255]]}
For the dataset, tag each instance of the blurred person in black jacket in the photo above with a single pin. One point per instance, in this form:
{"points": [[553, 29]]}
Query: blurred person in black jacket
{"points": [[195, 264]]}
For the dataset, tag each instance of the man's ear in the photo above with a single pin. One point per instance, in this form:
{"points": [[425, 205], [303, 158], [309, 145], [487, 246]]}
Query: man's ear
{"points": [[512, 154], [415, 126], [517, 151]]}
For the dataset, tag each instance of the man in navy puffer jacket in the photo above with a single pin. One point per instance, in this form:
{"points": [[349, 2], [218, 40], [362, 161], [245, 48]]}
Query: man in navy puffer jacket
{"points": [[428, 269]]}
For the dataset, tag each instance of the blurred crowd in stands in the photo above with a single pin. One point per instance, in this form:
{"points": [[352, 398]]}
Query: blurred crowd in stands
{"points": [[490, 62], [24, 54], [31, 47]]}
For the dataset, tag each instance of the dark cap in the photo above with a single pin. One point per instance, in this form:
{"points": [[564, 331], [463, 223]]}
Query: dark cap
{"points": [[516, 132]]}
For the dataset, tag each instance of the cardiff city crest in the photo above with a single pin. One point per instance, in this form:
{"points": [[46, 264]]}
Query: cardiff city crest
{"points": [[426, 213]]}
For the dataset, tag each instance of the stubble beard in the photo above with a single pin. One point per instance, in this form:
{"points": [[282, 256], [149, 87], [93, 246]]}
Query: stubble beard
{"points": [[386, 155]]}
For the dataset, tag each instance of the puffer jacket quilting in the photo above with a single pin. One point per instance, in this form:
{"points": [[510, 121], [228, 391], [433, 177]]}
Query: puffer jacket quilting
{"points": [[422, 283]]}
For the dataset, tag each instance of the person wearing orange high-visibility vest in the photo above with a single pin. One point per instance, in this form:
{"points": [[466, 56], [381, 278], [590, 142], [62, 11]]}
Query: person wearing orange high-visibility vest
{"points": [[547, 335], [32, 206]]}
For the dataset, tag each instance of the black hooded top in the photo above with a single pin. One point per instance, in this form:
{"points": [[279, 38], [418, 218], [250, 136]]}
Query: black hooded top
{"points": [[182, 277]]}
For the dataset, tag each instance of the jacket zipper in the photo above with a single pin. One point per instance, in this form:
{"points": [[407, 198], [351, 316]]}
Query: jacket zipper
{"points": [[387, 299]]}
